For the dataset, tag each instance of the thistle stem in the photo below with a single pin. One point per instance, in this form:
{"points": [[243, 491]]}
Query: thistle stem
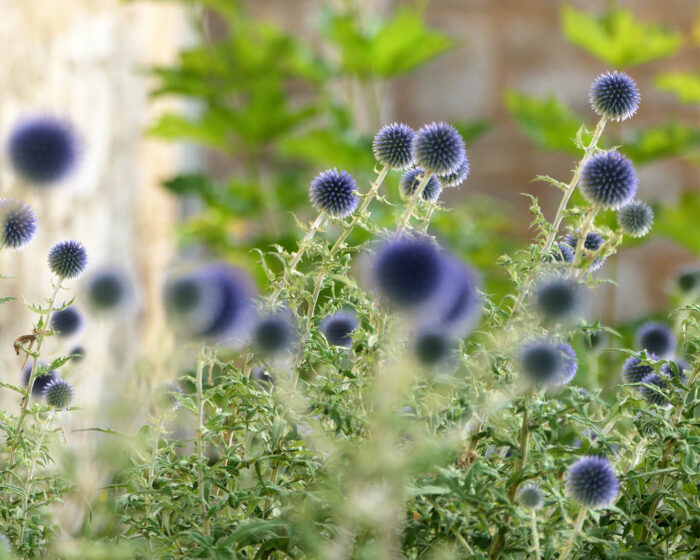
{"points": [[574, 533], [199, 442], [583, 234], [535, 536], [44, 322], [408, 212]]}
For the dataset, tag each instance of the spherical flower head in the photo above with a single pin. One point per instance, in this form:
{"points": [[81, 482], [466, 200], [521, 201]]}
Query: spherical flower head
{"points": [[273, 334], [338, 328], [439, 148], [41, 381], [459, 306], [569, 365], [262, 377], [656, 338], [59, 394], [17, 224], [107, 290], [557, 298], [592, 482], [689, 280], [67, 259], [681, 366], [393, 146], [457, 177], [334, 192], [654, 394], [67, 321], [592, 243], [167, 396], [542, 362], [634, 370], [408, 271], [635, 219], [434, 347], [531, 497], [608, 179], [563, 252], [411, 180], [43, 150], [614, 96]]}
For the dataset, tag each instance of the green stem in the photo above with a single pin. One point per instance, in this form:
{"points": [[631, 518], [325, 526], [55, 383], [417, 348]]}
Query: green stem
{"points": [[582, 234], [199, 442], [574, 533], [408, 212], [40, 335], [151, 476], [535, 535]]}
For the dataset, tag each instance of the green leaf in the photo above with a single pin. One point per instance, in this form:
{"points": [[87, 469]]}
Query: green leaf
{"points": [[683, 84], [546, 121], [328, 147], [616, 38], [668, 140], [471, 131], [6, 299], [680, 222]]}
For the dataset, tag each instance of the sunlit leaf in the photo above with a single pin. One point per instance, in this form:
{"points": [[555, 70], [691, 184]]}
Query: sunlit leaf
{"points": [[683, 84], [668, 140], [680, 222]]}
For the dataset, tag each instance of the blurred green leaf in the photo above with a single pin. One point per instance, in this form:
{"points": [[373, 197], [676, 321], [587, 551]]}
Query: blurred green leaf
{"points": [[546, 121], [471, 131], [391, 48], [237, 198], [616, 38], [668, 140], [329, 148], [683, 84], [680, 222]]}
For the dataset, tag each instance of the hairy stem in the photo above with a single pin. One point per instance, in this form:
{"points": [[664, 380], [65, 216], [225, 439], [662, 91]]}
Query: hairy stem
{"points": [[199, 442], [566, 550], [583, 234], [535, 535], [408, 212]]}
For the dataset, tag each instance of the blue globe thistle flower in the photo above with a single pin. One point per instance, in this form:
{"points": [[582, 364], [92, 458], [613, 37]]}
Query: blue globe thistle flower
{"points": [[167, 396], [531, 497], [67, 259], [434, 347], [569, 365], [688, 280], [681, 367], [614, 96], [17, 224], [338, 328], [59, 394], [557, 298], [334, 192], [439, 148], [542, 362], [43, 150], [652, 395], [77, 354], [609, 179], [656, 338], [107, 289], [457, 177], [273, 333], [41, 381], [563, 252], [592, 482], [393, 146], [634, 370], [459, 304], [408, 271], [67, 321], [592, 243], [636, 218], [596, 340], [411, 180], [262, 377]]}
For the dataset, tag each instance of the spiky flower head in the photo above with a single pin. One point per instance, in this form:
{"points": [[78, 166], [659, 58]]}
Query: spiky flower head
{"points": [[656, 393], [459, 305], [67, 321], [411, 180], [636, 218], [531, 496], [273, 333], [569, 365], [656, 338], [262, 377], [592, 243], [107, 289], [439, 148], [563, 252], [338, 328], [592, 482], [614, 96], [17, 224], [608, 179], [689, 279], [542, 362], [434, 347], [67, 259], [393, 146], [677, 372], [43, 150], [42, 379], [59, 394], [334, 192], [408, 271], [557, 298], [457, 177], [634, 370]]}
